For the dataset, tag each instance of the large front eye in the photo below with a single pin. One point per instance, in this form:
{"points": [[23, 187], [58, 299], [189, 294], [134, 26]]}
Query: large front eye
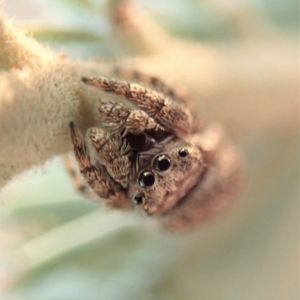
{"points": [[162, 162], [146, 179]]}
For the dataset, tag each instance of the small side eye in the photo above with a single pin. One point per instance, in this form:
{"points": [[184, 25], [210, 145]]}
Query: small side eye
{"points": [[183, 152], [146, 179], [139, 200], [162, 162]]}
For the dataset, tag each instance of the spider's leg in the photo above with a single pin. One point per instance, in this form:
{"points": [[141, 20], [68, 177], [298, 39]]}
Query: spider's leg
{"points": [[151, 81], [112, 151], [209, 140], [116, 117], [97, 177], [175, 116], [160, 86], [77, 179]]}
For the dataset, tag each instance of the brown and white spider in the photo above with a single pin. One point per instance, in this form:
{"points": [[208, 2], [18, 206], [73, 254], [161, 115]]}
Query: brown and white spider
{"points": [[151, 152]]}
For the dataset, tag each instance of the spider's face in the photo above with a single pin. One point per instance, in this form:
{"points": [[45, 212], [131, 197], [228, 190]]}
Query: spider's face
{"points": [[167, 178]]}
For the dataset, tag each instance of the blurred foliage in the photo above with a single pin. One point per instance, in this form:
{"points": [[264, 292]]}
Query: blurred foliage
{"points": [[56, 245]]}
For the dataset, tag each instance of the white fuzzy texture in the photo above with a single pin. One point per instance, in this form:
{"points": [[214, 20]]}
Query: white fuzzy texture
{"points": [[19, 51], [39, 95]]}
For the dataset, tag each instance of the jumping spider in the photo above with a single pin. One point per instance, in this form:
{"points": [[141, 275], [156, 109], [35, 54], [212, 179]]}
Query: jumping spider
{"points": [[150, 151]]}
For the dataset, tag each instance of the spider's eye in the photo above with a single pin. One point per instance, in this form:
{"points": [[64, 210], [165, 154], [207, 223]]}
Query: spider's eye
{"points": [[139, 199], [183, 152], [162, 162], [146, 179]]}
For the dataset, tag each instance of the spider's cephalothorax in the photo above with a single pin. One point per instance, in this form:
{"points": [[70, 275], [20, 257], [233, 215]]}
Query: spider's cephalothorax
{"points": [[167, 177], [149, 151]]}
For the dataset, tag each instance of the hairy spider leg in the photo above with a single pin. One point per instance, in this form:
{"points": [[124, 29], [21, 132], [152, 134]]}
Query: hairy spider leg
{"points": [[112, 152], [97, 177], [176, 117], [160, 86], [153, 82], [118, 117], [78, 181]]}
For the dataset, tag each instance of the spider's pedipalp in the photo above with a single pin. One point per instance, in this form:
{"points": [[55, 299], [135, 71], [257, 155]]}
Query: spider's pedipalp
{"points": [[117, 116], [176, 117], [112, 152], [97, 177]]}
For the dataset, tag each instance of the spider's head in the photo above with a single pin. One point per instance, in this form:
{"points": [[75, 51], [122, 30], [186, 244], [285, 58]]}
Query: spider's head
{"points": [[167, 177]]}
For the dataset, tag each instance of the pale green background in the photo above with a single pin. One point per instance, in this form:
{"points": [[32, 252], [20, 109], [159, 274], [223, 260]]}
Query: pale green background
{"points": [[55, 245]]}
